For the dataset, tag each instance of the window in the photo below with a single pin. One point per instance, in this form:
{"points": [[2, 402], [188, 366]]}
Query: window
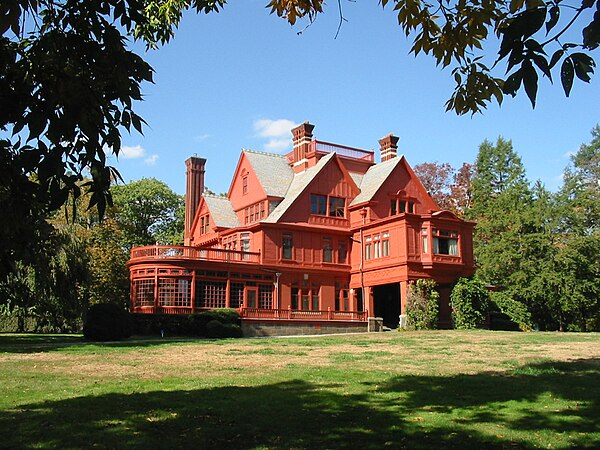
{"points": [[337, 207], [376, 246], [265, 296], [204, 222], [287, 244], [245, 185], [342, 252], [401, 206], [318, 204], [306, 298], [445, 242], [327, 250], [385, 243], [368, 240], [262, 210], [245, 243], [424, 237], [210, 294], [327, 206], [143, 292]]}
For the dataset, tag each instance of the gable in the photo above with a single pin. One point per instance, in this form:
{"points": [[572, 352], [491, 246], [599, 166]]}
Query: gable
{"points": [[219, 213], [328, 177], [394, 178]]}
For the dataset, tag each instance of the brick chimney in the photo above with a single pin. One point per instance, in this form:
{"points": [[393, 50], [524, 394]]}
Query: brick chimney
{"points": [[193, 191], [302, 138], [388, 147]]}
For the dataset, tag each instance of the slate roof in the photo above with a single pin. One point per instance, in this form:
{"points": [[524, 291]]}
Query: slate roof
{"points": [[298, 185], [221, 211], [273, 171], [374, 178]]}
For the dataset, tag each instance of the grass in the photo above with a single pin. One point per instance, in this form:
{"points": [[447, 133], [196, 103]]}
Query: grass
{"points": [[442, 389]]}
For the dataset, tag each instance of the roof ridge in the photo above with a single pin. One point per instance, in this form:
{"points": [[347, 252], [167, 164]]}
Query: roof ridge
{"points": [[263, 153]]}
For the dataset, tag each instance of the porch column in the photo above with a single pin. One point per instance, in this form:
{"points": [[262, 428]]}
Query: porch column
{"points": [[369, 300], [228, 293], [193, 291]]}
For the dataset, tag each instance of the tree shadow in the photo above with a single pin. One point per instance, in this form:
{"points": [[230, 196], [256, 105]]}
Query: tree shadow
{"points": [[297, 414], [40, 343]]}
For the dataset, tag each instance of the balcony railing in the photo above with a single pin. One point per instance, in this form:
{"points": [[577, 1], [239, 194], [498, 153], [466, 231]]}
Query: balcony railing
{"points": [[201, 254], [341, 150]]}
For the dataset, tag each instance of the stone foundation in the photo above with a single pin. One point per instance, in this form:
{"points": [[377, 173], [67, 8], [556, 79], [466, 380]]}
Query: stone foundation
{"points": [[257, 328]]}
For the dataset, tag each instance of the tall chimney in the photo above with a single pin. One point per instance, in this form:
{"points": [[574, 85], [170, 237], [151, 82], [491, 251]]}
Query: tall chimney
{"points": [[388, 147], [302, 138], [193, 191]]}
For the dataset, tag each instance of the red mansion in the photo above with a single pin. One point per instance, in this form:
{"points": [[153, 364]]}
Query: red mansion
{"points": [[317, 240]]}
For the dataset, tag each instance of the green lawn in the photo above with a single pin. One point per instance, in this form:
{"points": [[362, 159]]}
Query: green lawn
{"points": [[440, 389]]}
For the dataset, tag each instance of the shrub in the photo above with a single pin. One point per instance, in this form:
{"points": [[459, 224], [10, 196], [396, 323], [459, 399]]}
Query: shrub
{"points": [[217, 329], [422, 305], [183, 325], [516, 311], [470, 303], [107, 322]]}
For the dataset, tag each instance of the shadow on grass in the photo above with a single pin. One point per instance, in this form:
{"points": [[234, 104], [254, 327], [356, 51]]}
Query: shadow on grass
{"points": [[300, 415], [36, 343]]}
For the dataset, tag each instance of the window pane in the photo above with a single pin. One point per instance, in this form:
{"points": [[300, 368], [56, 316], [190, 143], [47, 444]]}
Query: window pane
{"points": [[336, 206], [327, 250], [342, 253], [287, 246], [318, 204]]}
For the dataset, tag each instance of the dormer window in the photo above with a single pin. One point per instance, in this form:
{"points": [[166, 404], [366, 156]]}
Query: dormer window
{"points": [[401, 205], [245, 185], [204, 223]]}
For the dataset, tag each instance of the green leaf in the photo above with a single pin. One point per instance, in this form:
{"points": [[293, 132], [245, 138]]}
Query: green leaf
{"points": [[556, 57], [554, 16], [567, 73], [584, 66], [530, 81]]}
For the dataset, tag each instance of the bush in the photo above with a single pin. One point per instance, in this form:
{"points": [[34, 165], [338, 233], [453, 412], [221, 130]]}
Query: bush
{"points": [[516, 311], [217, 329], [470, 303], [107, 322], [422, 305], [184, 325]]}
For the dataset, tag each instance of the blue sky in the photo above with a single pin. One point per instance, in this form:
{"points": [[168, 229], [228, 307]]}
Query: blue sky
{"points": [[241, 78]]}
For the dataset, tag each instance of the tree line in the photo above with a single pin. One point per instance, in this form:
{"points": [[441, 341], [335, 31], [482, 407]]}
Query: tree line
{"points": [[82, 257]]}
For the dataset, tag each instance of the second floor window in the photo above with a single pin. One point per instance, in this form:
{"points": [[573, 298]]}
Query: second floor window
{"points": [[445, 242], [327, 250], [337, 206], [288, 245], [342, 252]]}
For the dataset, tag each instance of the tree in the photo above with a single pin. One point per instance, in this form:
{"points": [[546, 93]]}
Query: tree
{"points": [[450, 188], [436, 178], [532, 38], [422, 305], [148, 211]]}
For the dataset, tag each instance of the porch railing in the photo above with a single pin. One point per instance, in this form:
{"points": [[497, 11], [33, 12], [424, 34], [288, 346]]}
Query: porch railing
{"points": [[205, 254], [292, 314]]}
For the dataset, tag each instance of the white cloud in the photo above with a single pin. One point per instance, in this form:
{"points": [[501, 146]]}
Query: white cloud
{"points": [[134, 152], [201, 137], [277, 132], [151, 160], [278, 128], [276, 145], [569, 154]]}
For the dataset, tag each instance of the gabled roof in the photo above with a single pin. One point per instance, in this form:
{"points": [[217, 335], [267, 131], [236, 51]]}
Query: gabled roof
{"points": [[221, 212], [373, 179], [273, 172], [299, 183]]}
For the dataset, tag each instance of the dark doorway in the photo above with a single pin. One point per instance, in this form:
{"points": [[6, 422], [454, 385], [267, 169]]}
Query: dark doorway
{"points": [[387, 303]]}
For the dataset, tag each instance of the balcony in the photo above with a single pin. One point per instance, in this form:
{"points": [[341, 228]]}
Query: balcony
{"points": [[166, 252]]}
